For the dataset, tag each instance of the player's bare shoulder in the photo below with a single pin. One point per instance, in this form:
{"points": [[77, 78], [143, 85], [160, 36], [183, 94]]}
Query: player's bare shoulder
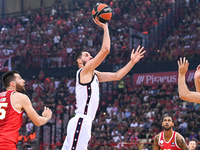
{"points": [[19, 95], [20, 98], [156, 142], [181, 142], [156, 138]]}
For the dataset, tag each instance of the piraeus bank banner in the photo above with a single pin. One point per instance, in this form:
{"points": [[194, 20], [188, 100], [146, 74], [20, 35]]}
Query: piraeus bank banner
{"points": [[161, 77]]}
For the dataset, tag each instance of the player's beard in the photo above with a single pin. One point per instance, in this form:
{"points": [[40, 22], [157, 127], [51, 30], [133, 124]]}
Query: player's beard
{"points": [[20, 88], [169, 128]]}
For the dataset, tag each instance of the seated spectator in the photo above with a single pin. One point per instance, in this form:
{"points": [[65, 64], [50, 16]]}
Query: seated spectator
{"points": [[192, 136], [147, 125], [29, 126], [127, 113], [183, 126], [134, 124]]}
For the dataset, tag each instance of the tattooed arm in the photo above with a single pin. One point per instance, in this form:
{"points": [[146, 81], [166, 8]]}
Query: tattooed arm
{"points": [[155, 143], [181, 142]]}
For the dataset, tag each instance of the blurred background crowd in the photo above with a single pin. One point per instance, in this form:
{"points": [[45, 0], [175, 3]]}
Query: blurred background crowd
{"points": [[50, 38]]}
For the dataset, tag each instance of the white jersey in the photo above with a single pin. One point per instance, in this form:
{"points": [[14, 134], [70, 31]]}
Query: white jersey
{"points": [[87, 96]]}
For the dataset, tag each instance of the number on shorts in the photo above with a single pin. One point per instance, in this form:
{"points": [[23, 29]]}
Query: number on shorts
{"points": [[3, 111]]}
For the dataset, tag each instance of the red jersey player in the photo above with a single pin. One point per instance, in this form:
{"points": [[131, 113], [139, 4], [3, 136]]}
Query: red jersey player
{"points": [[12, 104], [169, 139]]}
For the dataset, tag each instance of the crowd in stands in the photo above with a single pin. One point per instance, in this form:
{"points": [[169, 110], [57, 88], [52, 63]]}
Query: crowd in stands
{"points": [[184, 39], [42, 38]]}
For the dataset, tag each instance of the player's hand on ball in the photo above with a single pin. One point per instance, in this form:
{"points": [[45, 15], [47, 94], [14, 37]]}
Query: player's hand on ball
{"points": [[183, 66], [138, 54], [103, 25], [47, 113]]}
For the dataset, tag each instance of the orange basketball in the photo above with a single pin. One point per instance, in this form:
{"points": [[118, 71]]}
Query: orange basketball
{"points": [[102, 12]]}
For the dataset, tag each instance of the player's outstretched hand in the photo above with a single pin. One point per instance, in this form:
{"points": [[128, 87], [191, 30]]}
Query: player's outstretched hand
{"points": [[103, 25], [138, 54], [183, 66], [47, 113], [197, 73]]}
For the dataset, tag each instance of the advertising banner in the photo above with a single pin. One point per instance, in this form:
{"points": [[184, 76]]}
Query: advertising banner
{"points": [[161, 77]]}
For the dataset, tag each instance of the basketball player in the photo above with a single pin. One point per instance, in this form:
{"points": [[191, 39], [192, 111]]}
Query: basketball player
{"points": [[192, 145], [169, 139], [184, 93], [87, 90], [12, 104]]}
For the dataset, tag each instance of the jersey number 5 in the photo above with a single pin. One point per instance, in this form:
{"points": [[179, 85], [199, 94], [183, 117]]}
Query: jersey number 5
{"points": [[2, 111]]}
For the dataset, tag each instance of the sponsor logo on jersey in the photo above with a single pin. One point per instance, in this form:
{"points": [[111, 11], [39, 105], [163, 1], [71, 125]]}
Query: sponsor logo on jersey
{"points": [[173, 143]]}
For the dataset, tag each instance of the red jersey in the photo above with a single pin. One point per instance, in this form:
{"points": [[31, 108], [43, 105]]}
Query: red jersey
{"points": [[10, 120], [170, 145]]}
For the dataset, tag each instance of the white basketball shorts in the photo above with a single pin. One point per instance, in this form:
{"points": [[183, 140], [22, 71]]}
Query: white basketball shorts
{"points": [[78, 133]]}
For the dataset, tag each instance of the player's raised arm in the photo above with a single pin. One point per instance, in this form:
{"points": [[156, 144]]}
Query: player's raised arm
{"points": [[155, 142], [184, 92], [135, 57], [105, 49]]}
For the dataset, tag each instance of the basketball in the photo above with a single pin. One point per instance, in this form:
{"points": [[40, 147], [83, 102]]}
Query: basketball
{"points": [[102, 12]]}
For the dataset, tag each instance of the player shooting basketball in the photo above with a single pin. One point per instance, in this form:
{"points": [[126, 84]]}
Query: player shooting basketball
{"points": [[87, 90]]}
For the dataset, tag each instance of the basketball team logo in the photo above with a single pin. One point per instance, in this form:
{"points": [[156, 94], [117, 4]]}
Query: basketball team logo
{"points": [[161, 143]]}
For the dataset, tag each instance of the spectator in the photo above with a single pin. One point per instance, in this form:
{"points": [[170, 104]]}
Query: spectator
{"points": [[53, 12], [134, 124], [56, 40], [183, 126], [192, 136], [147, 125], [29, 126]]}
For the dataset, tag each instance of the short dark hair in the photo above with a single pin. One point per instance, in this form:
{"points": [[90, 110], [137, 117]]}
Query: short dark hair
{"points": [[78, 55], [167, 115], [8, 77], [193, 140]]}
